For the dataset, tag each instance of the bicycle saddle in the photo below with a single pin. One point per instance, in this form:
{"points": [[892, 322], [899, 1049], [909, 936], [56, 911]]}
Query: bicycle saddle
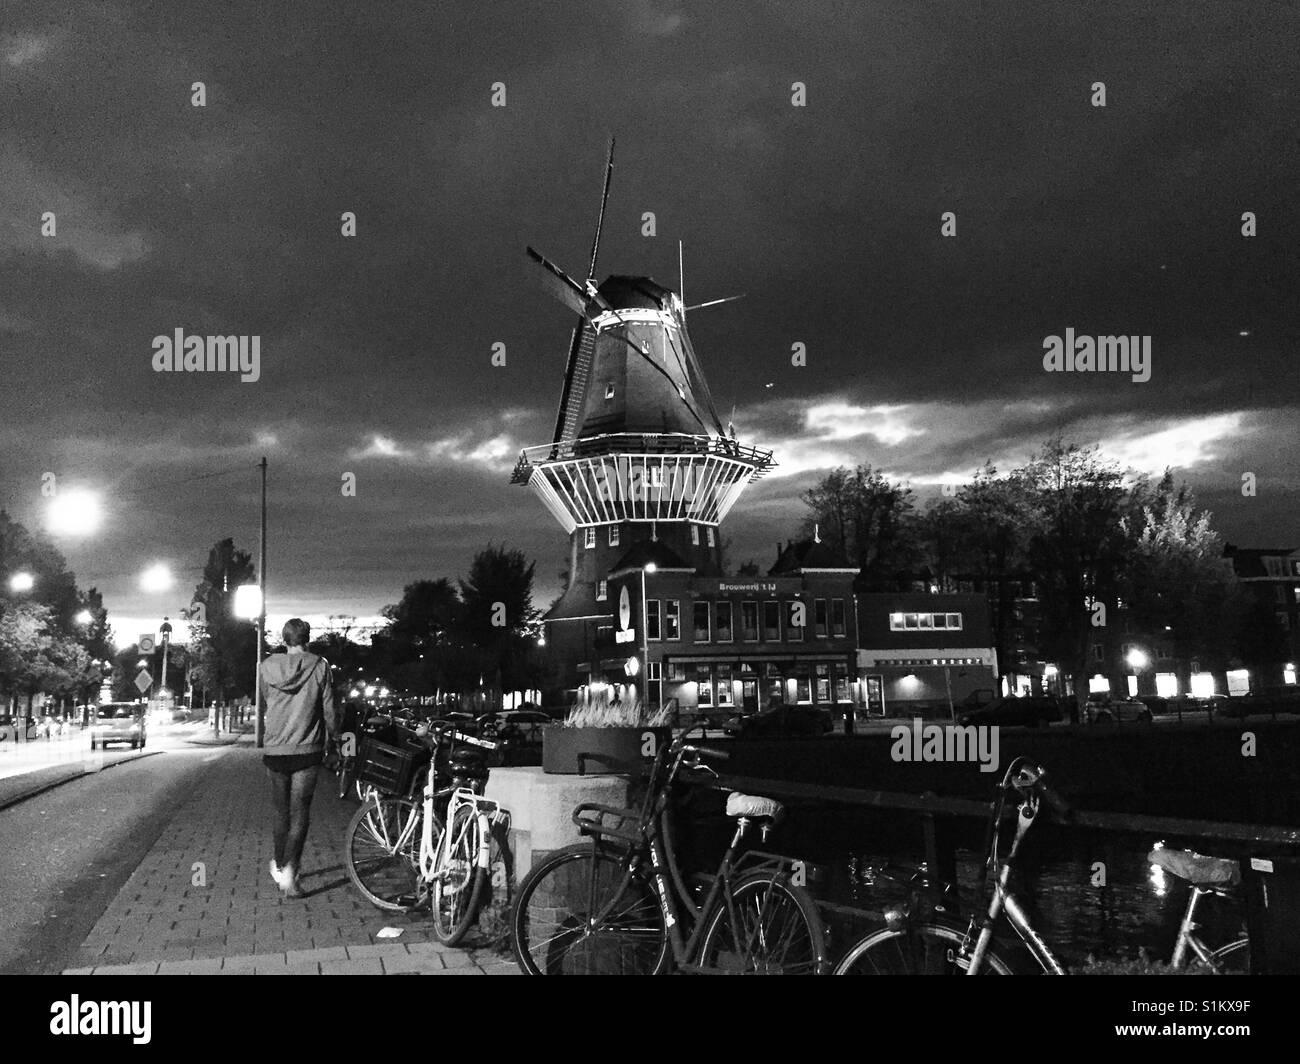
{"points": [[751, 805], [1198, 870]]}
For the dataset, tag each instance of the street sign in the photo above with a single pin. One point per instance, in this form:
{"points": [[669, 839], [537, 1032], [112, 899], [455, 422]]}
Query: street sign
{"points": [[147, 643], [143, 681]]}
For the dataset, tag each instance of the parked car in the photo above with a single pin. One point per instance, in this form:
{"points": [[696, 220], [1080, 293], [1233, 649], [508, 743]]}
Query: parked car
{"points": [[118, 722], [780, 722], [515, 726], [1267, 700], [1030, 712], [1116, 711], [1161, 706]]}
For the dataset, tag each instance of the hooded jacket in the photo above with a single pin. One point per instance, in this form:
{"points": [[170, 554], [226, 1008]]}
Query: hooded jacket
{"points": [[299, 699]]}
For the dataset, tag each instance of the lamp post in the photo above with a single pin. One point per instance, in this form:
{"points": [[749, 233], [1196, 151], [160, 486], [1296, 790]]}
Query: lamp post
{"points": [[649, 567]]}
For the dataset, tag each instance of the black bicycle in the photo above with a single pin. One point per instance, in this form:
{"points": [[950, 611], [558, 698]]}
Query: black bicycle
{"points": [[619, 904]]}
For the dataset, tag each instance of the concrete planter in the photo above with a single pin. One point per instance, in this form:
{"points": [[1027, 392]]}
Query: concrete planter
{"points": [[607, 749]]}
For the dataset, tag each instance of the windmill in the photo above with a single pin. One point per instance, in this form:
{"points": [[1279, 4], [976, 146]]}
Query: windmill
{"points": [[639, 453]]}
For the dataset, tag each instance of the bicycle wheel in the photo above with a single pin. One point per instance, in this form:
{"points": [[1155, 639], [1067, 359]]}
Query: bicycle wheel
{"points": [[780, 931], [551, 927], [922, 949], [345, 776], [382, 856], [1232, 959], [458, 879]]}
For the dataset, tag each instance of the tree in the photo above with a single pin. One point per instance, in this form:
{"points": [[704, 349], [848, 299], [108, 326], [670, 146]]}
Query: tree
{"points": [[1075, 548], [498, 618], [225, 645], [870, 521]]}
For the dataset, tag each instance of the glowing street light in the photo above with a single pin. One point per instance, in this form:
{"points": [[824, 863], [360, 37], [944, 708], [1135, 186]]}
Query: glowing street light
{"points": [[22, 582], [248, 601], [1137, 659], [74, 513], [85, 617], [156, 578]]}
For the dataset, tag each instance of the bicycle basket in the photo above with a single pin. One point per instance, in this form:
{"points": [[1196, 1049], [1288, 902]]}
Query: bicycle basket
{"points": [[389, 768]]}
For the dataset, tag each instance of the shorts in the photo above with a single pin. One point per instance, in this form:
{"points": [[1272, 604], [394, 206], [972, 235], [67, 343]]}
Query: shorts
{"points": [[290, 763]]}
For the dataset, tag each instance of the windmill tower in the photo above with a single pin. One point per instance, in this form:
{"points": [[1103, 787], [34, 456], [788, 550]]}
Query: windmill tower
{"points": [[639, 456]]}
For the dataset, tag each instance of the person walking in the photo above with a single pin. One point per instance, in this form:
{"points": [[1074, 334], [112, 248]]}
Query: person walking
{"points": [[301, 719]]}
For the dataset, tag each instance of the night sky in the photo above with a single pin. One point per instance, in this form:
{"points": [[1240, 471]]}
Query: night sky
{"points": [[924, 352]]}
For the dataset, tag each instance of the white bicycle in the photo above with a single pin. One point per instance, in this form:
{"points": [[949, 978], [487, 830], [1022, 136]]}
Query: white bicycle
{"points": [[403, 854]]}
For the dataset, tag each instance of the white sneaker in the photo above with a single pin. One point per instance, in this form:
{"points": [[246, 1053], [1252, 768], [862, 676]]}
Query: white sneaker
{"points": [[280, 875]]}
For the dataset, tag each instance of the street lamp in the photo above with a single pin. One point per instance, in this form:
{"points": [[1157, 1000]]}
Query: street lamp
{"points": [[1138, 661], [649, 567], [22, 582], [85, 617], [156, 578], [74, 513]]}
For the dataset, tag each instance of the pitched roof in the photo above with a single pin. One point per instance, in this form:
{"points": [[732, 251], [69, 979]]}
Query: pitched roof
{"points": [[809, 554], [646, 551]]}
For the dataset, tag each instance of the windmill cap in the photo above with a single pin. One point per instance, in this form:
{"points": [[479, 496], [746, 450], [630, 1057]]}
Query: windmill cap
{"points": [[628, 293]]}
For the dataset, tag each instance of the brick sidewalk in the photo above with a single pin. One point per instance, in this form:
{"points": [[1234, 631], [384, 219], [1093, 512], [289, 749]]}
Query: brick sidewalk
{"points": [[161, 922]]}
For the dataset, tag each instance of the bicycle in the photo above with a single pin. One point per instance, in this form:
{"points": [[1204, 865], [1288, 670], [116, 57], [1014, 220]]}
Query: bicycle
{"points": [[403, 854], [922, 939], [617, 903]]}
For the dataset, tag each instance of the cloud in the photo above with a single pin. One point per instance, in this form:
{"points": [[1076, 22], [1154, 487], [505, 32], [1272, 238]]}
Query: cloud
{"points": [[23, 49], [491, 452], [646, 18]]}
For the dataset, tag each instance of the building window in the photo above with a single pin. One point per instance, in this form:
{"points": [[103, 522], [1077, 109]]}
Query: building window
{"points": [[702, 632], [749, 622], [794, 632], [695, 535], [704, 685], [771, 622], [821, 618], [654, 670], [613, 535], [842, 685], [672, 619], [823, 683], [652, 629], [803, 686], [837, 617], [676, 671], [724, 622], [917, 622], [724, 686], [590, 536], [708, 532], [602, 591], [609, 391], [1098, 652]]}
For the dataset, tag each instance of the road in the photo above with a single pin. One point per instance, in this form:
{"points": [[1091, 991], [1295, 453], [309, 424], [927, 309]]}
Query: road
{"points": [[65, 853]]}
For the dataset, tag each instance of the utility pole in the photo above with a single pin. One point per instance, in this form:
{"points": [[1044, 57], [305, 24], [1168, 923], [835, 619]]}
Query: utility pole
{"points": [[261, 617]]}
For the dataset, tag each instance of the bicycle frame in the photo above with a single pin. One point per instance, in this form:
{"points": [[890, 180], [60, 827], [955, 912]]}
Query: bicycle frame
{"points": [[652, 843]]}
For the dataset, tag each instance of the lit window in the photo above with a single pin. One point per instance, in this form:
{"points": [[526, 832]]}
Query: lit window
{"points": [[672, 619], [803, 686], [703, 681], [609, 391], [695, 535], [613, 535], [602, 591], [709, 534], [724, 686], [590, 537], [823, 683]]}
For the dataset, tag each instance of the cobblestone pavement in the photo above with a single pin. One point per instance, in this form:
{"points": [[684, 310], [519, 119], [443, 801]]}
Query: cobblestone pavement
{"points": [[202, 901]]}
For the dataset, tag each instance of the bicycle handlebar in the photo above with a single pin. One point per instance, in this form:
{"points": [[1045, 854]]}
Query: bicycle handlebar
{"points": [[707, 751]]}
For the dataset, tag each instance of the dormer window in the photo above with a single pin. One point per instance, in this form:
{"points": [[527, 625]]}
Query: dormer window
{"points": [[602, 591], [589, 537]]}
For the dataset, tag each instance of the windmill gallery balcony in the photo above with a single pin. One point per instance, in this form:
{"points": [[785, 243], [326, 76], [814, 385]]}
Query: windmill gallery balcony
{"points": [[619, 477]]}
